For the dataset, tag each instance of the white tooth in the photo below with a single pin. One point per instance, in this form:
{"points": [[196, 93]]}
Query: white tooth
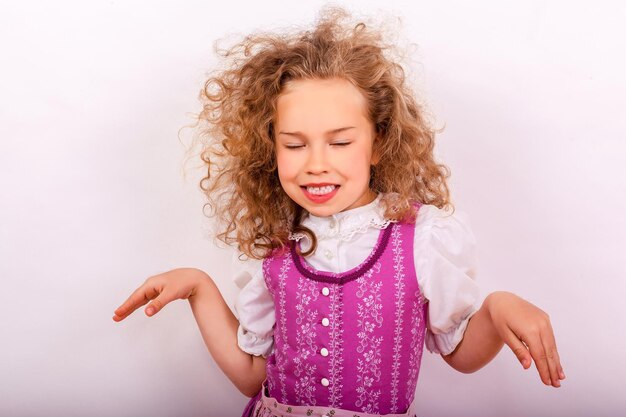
{"points": [[321, 190]]}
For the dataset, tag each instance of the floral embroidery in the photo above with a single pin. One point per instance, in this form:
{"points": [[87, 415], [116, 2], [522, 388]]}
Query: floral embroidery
{"points": [[306, 321], [336, 347], [384, 313], [399, 284], [417, 345], [281, 357], [370, 318]]}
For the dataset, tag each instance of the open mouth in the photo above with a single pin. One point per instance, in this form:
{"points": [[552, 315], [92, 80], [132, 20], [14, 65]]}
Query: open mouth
{"points": [[320, 193], [321, 190]]}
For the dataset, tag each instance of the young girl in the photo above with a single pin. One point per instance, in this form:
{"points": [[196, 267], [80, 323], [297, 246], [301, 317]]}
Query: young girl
{"points": [[320, 164]]}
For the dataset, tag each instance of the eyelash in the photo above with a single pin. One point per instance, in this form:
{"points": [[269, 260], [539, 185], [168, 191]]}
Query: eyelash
{"points": [[334, 143]]}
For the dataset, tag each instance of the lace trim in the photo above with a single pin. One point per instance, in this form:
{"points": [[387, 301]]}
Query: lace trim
{"points": [[296, 236], [346, 236]]}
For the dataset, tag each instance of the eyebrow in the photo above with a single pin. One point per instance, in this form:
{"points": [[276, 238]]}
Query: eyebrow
{"points": [[302, 135]]}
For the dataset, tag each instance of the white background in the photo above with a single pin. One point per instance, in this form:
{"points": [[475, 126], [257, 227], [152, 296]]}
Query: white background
{"points": [[96, 196]]}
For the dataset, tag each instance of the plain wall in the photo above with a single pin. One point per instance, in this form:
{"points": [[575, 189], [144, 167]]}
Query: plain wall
{"points": [[96, 197]]}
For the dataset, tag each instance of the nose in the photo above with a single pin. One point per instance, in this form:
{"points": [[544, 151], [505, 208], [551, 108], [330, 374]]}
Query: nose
{"points": [[317, 162]]}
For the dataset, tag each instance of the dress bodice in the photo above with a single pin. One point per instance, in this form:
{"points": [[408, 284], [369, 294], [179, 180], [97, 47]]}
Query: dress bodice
{"points": [[351, 340]]}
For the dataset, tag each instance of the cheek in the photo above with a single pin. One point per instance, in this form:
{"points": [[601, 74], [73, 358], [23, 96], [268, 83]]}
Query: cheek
{"points": [[285, 166], [356, 165]]}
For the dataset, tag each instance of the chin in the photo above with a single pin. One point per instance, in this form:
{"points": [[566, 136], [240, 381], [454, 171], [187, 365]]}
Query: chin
{"points": [[316, 209], [320, 211]]}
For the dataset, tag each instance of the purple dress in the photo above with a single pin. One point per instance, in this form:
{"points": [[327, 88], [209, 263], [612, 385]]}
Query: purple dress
{"points": [[348, 341]]}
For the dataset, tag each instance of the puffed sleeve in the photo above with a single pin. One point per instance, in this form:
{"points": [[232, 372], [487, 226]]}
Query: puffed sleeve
{"points": [[445, 263], [254, 308]]}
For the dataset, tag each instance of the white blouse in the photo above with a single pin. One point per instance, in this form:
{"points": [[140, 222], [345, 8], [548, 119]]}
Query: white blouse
{"points": [[445, 265]]}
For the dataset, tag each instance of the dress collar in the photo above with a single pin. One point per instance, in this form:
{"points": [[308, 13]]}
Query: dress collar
{"points": [[344, 225]]}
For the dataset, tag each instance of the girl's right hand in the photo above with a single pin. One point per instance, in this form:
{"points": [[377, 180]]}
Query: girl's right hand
{"points": [[176, 284]]}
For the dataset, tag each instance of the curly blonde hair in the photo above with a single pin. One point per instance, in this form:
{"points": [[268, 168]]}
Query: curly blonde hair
{"points": [[238, 143]]}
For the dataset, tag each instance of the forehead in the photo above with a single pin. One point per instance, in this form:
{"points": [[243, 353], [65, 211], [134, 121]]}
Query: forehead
{"points": [[320, 105]]}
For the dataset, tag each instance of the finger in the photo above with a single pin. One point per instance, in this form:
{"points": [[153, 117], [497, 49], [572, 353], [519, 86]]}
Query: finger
{"points": [[519, 349], [554, 361], [159, 302], [561, 371], [540, 356], [138, 298], [545, 354], [135, 300], [553, 365]]}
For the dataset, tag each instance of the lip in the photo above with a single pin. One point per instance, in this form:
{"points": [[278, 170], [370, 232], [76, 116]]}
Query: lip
{"points": [[320, 184], [319, 199]]}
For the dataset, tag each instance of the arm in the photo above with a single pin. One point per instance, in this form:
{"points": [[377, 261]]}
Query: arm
{"points": [[507, 318], [217, 323], [218, 326], [480, 344]]}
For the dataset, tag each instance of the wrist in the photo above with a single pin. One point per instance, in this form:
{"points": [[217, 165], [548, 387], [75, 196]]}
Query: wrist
{"points": [[494, 300], [203, 284]]}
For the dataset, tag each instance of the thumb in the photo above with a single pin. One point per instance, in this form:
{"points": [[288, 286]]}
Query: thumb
{"points": [[519, 349]]}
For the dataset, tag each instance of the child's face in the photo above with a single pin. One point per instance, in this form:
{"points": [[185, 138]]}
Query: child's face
{"points": [[324, 172]]}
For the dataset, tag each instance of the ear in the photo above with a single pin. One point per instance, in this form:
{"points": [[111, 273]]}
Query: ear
{"points": [[375, 152], [375, 159]]}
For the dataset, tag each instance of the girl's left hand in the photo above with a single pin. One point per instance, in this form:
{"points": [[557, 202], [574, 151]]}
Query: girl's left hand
{"points": [[526, 329]]}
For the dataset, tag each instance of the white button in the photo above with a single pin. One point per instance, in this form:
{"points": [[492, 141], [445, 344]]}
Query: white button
{"points": [[325, 382], [332, 224], [324, 352], [325, 291], [328, 254], [325, 322]]}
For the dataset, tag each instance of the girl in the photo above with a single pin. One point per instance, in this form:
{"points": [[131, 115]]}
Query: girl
{"points": [[320, 164]]}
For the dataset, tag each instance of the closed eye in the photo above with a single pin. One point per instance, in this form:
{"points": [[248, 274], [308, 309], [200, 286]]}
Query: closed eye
{"points": [[298, 146]]}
